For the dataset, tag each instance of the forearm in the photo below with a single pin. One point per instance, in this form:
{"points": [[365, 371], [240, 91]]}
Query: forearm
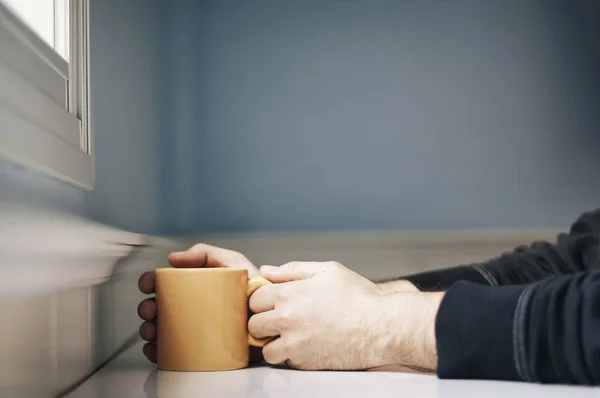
{"points": [[406, 329]]}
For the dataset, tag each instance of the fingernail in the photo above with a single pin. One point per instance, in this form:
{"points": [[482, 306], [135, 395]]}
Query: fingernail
{"points": [[268, 269]]}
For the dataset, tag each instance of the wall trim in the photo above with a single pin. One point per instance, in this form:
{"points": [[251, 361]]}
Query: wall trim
{"points": [[379, 238], [381, 254]]}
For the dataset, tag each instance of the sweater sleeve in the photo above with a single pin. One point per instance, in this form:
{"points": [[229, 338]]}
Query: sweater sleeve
{"points": [[543, 332], [573, 252]]}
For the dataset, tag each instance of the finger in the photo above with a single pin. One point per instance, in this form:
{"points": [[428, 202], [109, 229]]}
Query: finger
{"points": [[274, 352], [263, 299], [146, 282], [263, 325], [148, 331], [289, 272], [147, 309], [202, 255], [188, 259], [149, 351]]}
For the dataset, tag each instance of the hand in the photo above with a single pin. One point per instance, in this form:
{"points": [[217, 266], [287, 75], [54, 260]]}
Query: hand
{"points": [[328, 317], [199, 255], [323, 313]]}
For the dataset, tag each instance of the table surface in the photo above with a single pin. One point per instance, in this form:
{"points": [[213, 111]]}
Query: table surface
{"points": [[130, 375]]}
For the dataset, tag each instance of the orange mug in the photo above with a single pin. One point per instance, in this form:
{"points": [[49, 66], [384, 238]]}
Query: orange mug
{"points": [[202, 321]]}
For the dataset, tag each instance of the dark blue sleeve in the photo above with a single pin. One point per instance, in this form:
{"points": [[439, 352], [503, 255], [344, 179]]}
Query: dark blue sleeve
{"points": [[573, 252], [546, 332]]}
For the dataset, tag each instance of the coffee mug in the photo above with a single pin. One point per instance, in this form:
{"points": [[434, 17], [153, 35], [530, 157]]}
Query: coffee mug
{"points": [[202, 321]]}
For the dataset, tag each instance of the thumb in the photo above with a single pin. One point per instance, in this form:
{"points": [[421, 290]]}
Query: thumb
{"points": [[293, 271]]}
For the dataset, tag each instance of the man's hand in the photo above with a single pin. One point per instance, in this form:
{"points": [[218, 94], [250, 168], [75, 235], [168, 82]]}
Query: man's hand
{"points": [[199, 255], [328, 317]]}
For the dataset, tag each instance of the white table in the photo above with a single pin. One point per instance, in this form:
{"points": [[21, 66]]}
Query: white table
{"points": [[130, 375]]}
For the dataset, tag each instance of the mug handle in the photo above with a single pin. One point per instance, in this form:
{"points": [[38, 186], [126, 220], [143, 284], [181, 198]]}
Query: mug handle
{"points": [[253, 285]]}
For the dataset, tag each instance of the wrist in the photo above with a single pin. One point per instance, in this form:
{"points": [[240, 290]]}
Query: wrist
{"points": [[406, 330], [397, 286]]}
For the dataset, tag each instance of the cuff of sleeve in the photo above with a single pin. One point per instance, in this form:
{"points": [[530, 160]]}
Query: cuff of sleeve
{"points": [[474, 332], [442, 279]]}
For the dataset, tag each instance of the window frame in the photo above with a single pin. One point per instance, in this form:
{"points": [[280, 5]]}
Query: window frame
{"points": [[43, 125]]}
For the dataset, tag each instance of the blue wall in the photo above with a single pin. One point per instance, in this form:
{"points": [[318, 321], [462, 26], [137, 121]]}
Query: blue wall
{"points": [[236, 115], [322, 114], [126, 70], [126, 75]]}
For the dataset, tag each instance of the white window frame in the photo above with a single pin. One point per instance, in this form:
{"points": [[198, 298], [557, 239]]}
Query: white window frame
{"points": [[45, 105]]}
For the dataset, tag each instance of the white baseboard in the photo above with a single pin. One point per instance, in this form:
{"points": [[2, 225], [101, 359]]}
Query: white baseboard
{"points": [[378, 255], [68, 295]]}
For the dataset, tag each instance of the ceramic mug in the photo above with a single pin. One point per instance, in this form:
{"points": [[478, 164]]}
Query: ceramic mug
{"points": [[202, 322]]}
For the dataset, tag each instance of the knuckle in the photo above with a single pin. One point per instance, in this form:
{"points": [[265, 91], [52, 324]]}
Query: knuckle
{"points": [[255, 300], [269, 355], [198, 247], [334, 264], [263, 298], [292, 266], [281, 292], [254, 303], [252, 325], [285, 320], [302, 365], [238, 258], [293, 364], [290, 345]]}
